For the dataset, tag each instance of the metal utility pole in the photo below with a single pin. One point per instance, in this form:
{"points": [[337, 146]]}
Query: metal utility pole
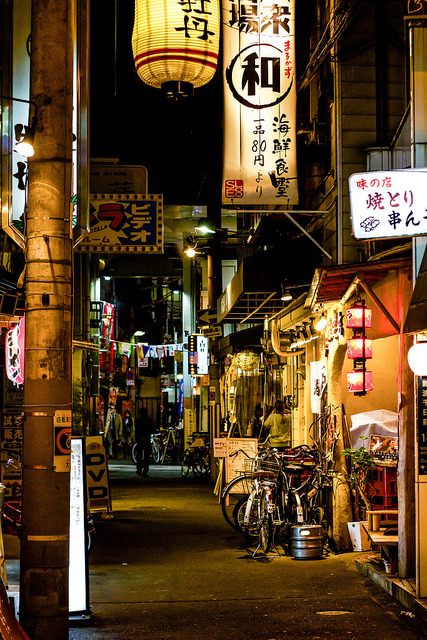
{"points": [[47, 386]]}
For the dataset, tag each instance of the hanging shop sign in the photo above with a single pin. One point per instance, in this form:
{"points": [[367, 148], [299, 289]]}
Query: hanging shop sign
{"points": [[259, 160], [124, 223], [318, 380], [176, 41], [416, 8], [388, 204], [15, 352], [198, 355]]}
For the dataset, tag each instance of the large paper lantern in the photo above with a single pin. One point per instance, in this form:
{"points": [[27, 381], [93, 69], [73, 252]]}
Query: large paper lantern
{"points": [[176, 41]]}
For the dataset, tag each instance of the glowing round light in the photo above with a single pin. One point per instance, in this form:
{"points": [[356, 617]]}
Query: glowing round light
{"points": [[417, 358], [174, 41]]}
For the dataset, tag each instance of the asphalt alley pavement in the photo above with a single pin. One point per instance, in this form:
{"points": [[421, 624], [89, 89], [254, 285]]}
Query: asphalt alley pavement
{"points": [[166, 566]]}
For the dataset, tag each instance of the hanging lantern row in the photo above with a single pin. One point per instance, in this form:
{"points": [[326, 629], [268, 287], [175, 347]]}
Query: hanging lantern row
{"points": [[175, 44], [359, 349]]}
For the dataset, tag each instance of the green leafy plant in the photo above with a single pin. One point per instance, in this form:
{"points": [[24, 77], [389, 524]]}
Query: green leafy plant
{"points": [[361, 462]]}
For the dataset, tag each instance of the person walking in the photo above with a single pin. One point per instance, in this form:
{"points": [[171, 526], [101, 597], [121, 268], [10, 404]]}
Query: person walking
{"points": [[143, 430], [114, 434], [279, 422], [128, 433]]}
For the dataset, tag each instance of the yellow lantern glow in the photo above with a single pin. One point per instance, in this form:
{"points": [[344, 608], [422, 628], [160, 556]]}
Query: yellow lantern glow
{"points": [[176, 41]]}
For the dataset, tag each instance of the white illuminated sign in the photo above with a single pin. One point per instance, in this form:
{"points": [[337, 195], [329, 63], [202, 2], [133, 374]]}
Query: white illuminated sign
{"points": [[388, 204], [78, 581], [260, 102], [198, 354]]}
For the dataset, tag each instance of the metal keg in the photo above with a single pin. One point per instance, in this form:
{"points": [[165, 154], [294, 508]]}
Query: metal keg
{"points": [[307, 542]]}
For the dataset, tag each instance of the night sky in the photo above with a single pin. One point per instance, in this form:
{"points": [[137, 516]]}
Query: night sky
{"points": [[179, 143]]}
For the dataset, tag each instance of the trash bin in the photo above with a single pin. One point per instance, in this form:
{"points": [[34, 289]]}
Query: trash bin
{"points": [[307, 542]]}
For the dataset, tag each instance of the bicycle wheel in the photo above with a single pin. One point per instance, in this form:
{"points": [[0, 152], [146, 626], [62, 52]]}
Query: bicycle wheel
{"points": [[202, 466], [265, 524], [187, 463], [247, 527], [156, 451], [238, 488], [133, 453]]}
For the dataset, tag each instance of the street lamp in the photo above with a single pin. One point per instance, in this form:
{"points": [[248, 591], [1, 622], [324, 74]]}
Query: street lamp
{"points": [[24, 134]]}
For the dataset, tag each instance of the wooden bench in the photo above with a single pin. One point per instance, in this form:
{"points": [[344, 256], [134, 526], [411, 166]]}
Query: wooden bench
{"points": [[387, 543], [376, 519]]}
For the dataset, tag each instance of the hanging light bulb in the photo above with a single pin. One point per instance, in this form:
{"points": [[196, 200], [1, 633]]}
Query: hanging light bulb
{"points": [[321, 324]]}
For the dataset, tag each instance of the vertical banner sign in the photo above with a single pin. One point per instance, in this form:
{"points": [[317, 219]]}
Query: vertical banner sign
{"points": [[259, 165], [62, 436], [97, 475], [78, 572]]}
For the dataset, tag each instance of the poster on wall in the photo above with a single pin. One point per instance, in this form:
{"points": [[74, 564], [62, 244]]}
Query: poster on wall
{"points": [[259, 159], [240, 451]]}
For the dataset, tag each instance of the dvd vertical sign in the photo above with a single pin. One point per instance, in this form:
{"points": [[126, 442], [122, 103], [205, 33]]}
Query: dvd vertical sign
{"points": [[259, 162]]}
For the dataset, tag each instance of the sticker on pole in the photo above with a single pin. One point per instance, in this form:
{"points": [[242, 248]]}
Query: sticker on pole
{"points": [[62, 440], [388, 204]]}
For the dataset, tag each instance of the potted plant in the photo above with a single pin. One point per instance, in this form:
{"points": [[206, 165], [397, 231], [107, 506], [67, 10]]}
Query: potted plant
{"points": [[361, 463]]}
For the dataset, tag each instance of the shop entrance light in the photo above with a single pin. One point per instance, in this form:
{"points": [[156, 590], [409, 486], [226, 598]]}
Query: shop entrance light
{"points": [[417, 356]]}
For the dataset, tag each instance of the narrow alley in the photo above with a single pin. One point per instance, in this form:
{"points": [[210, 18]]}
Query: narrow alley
{"points": [[166, 566]]}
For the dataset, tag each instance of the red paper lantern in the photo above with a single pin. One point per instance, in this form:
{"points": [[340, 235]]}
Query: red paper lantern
{"points": [[360, 381], [358, 317], [359, 348]]}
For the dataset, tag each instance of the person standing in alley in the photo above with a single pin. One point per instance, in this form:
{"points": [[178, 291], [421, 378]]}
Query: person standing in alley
{"points": [[143, 431], [127, 434], [279, 422]]}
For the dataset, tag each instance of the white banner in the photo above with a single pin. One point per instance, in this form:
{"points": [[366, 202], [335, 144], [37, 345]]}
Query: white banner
{"points": [[388, 204], [259, 160], [318, 380]]}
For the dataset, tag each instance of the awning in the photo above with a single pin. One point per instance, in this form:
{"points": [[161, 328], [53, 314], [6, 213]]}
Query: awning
{"points": [[330, 284], [256, 288], [251, 294]]}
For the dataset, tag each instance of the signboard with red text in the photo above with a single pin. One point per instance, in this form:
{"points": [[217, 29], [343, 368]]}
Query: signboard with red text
{"points": [[388, 204], [124, 223]]}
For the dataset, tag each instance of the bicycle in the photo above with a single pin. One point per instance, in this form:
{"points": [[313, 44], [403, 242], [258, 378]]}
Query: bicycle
{"points": [[274, 504], [156, 448], [196, 457]]}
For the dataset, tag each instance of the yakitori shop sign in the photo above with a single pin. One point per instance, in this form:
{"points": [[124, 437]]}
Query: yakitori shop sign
{"points": [[388, 204], [259, 165]]}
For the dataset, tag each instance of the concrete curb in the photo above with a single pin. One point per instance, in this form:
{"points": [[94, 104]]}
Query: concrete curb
{"points": [[400, 590]]}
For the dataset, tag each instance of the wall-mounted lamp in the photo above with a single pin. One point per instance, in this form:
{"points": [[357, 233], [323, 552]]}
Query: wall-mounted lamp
{"points": [[417, 356], [286, 295], [24, 134], [321, 323], [190, 250]]}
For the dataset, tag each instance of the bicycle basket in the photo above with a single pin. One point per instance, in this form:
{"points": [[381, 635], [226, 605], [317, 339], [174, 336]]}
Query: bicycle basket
{"points": [[267, 465]]}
